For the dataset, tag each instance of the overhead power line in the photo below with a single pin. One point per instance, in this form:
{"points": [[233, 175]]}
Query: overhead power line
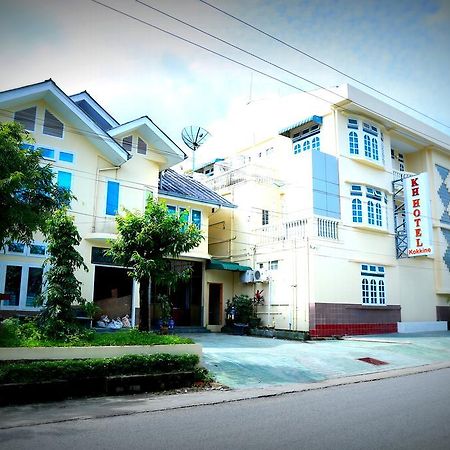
{"points": [[265, 74], [329, 66]]}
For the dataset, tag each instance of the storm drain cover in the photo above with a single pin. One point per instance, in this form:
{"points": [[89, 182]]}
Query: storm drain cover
{"points": [[375, 362]]}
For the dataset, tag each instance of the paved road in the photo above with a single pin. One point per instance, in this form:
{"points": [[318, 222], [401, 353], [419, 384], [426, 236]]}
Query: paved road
{"points": [[249, 362], [408, 412]]}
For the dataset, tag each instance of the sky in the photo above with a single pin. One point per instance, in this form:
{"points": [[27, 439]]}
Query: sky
{"points": [[401, 48]]}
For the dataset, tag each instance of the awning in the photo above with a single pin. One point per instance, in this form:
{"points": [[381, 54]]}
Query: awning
{"points": [[225, 265], [315, 119]]}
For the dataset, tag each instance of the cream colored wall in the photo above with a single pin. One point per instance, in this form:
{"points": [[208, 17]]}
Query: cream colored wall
{"points": [[226, 279]]}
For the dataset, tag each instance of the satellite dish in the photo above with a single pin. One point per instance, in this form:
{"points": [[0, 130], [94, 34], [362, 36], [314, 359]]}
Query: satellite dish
{"points": [[193, 137]]}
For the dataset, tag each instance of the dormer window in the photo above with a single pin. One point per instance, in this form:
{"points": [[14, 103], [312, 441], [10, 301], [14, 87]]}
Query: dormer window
{"points": [[27, 117], [127, 143], [142, 147], [52, 126]]}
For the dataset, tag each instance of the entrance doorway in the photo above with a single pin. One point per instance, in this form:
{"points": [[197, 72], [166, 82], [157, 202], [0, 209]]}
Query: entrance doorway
{"points": [[185, 297], [215, 304], [112, 291]]}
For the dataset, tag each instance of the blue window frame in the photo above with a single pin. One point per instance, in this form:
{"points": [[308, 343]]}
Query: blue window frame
{"points": [[353, 143], [375, 149], [365, 291], [315, 143], [373, 291], [66, 157], [370, 213], [47, 153], [25, 146], [197, 218], [357, 210], [352, 123], [297, 148], [172, 209], [367, 146], [306, 145], [64, 180], [381, 294], [378, 216], [112, 198]]}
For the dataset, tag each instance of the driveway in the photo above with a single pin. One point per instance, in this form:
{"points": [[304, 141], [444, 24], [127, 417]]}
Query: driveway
{"points": [[245, 362]]}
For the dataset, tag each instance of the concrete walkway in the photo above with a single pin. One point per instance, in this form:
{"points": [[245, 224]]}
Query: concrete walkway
{"points": [[243, 362]]}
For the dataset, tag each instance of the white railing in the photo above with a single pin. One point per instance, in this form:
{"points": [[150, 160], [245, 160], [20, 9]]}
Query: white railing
{"points": [[297, 229], [239, 175], [327, 228], [398, 175]]}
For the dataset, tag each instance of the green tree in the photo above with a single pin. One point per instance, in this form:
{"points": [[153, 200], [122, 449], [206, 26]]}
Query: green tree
{"points": [[28, 195], [61, 288], [144, 244]]}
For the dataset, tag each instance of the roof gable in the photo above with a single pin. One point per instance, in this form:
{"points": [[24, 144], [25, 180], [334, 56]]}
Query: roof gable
{"points": [[153, 135], [68, 110], [176, 185]]}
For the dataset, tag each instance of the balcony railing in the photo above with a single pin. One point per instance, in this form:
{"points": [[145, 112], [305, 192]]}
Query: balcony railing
{"points": [[239, 175], [298, 229], [398, 175]]}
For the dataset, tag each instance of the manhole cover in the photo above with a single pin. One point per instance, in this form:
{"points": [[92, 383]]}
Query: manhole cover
{"points": [[375, 362]]}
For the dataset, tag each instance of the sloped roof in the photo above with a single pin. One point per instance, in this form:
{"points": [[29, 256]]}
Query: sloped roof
{"points": [[176, 185], [49, 91], [94, 110]]}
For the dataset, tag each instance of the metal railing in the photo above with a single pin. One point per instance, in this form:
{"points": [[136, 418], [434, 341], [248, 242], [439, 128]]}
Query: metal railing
{"points": [[239, 175]]}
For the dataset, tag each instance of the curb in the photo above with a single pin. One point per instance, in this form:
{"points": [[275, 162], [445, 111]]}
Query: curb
{"points": [[100, 408]]}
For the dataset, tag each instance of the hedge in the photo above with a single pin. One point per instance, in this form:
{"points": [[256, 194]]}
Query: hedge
{"points": [[36, 371]]}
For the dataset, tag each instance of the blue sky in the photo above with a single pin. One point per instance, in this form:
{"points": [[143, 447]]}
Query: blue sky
{"points": [[399, 47]]}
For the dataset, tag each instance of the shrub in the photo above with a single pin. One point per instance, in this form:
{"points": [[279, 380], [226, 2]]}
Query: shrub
{"points": [[35, 371], [241, 307]]}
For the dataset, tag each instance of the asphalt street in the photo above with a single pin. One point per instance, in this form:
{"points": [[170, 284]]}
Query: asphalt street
{"points": [[406, 412]]}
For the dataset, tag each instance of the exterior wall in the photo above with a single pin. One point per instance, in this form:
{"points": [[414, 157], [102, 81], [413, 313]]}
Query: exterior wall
{"points": [[318, 283], [90, 172]]}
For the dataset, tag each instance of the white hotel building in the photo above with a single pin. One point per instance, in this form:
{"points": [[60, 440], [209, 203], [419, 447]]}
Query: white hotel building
{"points": [[321, 217]]}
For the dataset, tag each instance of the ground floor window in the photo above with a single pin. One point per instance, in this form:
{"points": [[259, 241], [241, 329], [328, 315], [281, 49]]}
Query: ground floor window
{"points": [[373, 285], [21, 283]]}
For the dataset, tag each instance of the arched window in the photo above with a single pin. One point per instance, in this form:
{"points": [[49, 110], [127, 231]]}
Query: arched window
{"points": [[378, 216], [375, 149], [353, 143], [365, 291], [357, 210], [381, 294], [367, 146], [306, 145], [370, 213], [373, 291], [316, 143], [297, 148]]}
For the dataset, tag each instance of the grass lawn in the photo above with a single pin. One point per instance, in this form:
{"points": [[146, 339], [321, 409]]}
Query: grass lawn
{"points": [[27, 335]]}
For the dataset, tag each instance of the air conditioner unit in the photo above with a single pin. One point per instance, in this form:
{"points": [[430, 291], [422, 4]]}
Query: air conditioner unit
{"points": [[247, 276], [261, 276]]}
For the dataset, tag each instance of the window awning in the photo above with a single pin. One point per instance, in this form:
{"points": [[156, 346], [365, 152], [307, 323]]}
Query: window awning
{"points": [[314, 119], [225, 265]]}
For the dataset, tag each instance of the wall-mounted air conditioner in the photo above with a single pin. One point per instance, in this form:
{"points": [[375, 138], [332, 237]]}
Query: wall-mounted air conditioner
{"points": [[261, 276], [247, 276]]}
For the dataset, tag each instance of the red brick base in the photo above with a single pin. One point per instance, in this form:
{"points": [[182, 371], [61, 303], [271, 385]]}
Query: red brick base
{"points": [[340, 329]]}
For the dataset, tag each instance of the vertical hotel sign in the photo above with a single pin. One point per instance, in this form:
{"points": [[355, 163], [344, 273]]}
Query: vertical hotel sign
{"points": [[418, 215]]}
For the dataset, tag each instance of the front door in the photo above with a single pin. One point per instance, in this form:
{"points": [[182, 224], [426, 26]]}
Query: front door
{"points": [[215, 304]]}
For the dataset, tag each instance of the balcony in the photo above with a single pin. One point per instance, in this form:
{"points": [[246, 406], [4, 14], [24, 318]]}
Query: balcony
{"points": [[242, 174], [299, 229], [397, 175]]}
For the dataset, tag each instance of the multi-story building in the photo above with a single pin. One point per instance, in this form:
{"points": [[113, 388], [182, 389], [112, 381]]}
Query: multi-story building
{"points": [[324, 222], [108, 166]]}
